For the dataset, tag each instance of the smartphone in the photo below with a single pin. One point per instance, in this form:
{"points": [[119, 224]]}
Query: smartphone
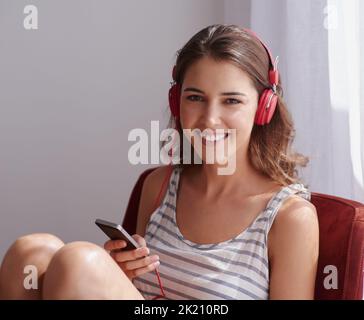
{"points": [[117, 232]]}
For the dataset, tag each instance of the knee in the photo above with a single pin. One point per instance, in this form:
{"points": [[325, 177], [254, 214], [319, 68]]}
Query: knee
{"points": [[34, 250], [78, 255], [28, 246], [44, 240], [77, 266]]}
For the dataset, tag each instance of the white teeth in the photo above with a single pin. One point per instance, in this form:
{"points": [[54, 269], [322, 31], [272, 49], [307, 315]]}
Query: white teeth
{"points": [[213, 137]]}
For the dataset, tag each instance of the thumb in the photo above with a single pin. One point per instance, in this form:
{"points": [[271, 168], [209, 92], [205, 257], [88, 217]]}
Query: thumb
{"points": [[140, 240]]}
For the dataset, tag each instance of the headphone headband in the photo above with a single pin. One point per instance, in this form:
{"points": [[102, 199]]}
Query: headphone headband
{"points": [[272, 63], [273, 72]]}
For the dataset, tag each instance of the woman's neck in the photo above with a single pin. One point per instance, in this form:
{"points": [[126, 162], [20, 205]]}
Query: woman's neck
{"points": [[246, 179]]}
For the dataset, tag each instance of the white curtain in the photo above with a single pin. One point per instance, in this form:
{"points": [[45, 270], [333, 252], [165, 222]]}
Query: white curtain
{"points": [[320, 44]]}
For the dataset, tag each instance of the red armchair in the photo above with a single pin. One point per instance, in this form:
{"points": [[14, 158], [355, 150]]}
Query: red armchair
{"points": [[341, 224]]}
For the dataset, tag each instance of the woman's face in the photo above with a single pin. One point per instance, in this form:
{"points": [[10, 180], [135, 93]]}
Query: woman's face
{"points": [[218, 95]]}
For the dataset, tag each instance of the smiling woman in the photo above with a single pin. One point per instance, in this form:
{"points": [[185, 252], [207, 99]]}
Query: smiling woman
{"points": [[252, 234]]}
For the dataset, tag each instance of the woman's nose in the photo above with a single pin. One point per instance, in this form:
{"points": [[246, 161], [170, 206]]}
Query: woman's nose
{"points": [[212, 116]]}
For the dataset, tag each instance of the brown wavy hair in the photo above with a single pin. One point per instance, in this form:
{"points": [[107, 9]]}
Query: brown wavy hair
{"points": [[270, 149]]}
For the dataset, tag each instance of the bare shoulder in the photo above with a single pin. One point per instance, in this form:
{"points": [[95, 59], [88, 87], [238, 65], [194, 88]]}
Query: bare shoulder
{"points": [[293, 248], [150, 191], [296, 221], [296, 207]]}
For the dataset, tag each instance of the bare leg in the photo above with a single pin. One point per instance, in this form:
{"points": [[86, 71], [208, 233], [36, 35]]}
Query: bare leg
{"points": [[83, 270], [34, 249]]}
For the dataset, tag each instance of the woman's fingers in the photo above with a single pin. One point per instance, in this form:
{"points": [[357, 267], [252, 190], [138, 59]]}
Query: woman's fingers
{"points": [[133, 262], [114, 245], [138, 272], [120, 244], [130, 255], [140, 240], [140, 263]]}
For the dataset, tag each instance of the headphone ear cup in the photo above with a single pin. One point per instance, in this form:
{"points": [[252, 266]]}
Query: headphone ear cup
{"points": [[174, 97], [266, 107], [272, 108]]}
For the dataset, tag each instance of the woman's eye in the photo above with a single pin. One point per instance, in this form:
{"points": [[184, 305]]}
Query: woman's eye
{"points": [[233, 101], [194, 98], [200, 98]]}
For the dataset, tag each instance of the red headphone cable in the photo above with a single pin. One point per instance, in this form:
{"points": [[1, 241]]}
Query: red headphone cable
{"points": [[155, 205]]}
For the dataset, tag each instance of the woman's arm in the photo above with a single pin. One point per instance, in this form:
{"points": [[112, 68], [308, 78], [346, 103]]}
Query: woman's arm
{"points": [[293, 243]]}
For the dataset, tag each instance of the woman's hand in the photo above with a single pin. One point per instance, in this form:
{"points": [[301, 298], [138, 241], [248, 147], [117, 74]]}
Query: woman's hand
{"points": [[133, 262]]}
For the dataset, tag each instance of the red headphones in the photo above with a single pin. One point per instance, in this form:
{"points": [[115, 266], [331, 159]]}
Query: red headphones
{"points": [[267, 101]]}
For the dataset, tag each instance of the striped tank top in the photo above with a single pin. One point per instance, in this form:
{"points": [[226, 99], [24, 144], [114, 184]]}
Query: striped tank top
{"points": [[234, 269]]}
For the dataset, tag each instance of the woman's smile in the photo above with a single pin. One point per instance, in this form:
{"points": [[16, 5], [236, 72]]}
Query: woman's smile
{"points": [[208, 138]]}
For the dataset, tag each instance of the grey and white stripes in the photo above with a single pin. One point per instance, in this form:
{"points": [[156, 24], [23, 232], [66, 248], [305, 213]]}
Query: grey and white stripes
{"points": [[233, 269]]}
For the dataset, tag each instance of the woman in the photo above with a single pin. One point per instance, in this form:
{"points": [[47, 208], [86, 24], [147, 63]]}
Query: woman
{"points": [[251, 234]]}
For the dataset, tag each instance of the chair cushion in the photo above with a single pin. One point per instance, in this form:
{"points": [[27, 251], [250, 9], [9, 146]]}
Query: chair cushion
{"points": [[130, 218], [341, 224]]}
